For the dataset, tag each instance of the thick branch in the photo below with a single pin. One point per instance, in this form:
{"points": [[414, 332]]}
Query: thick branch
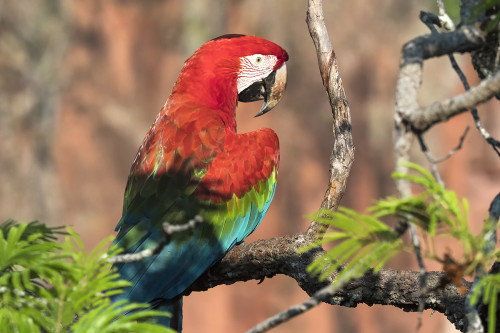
{"points": [[267, 258], [465, 39]]}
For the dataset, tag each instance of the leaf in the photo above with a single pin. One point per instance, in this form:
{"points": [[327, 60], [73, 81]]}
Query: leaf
{"points": [[45, 285], [358, 242]]}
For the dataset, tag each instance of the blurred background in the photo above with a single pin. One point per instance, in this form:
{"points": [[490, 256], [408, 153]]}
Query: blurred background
{"points": [[81, 82]]}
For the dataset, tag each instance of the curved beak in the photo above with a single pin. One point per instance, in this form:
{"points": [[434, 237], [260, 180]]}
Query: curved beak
{"points": [[271, 89]]}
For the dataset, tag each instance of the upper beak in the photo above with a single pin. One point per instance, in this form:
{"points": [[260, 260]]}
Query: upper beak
{"points": [[271, 89]]}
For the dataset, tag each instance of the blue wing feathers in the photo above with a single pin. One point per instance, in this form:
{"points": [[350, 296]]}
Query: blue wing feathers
{"points": [[180, 263]]}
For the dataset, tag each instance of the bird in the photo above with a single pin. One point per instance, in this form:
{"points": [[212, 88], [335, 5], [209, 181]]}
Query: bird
{"points": [[194, 164]]}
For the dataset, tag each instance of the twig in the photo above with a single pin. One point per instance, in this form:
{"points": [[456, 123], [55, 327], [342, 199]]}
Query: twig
{"points": [[495, 144], [445, 20], [430, 159], [434, 161], [293, 311], [415, 241], [431, 19], [169, 229], [454, 150]]}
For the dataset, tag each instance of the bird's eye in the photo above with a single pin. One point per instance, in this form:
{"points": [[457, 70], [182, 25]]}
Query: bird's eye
{"points": [[258, 60]]}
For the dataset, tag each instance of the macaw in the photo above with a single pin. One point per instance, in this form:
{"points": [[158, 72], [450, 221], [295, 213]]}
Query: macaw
{"points": [[193, 162]]}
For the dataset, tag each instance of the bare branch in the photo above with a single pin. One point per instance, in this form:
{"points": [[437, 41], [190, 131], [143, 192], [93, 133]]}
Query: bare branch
{"points": [[465, 38], [445, 21], [477, 121], [430, 20], [424, 118], [342, 155], [452, 151], [293, 311], [434, 161]]}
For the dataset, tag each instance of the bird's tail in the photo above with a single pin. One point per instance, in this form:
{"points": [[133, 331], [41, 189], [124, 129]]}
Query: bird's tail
{"points": [[174, 307]]}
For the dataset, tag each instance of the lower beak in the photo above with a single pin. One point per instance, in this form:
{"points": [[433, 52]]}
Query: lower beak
{"points": [[274, 87]]}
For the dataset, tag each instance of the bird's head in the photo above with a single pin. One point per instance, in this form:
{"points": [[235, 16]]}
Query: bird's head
{"points": [[233, 68]]}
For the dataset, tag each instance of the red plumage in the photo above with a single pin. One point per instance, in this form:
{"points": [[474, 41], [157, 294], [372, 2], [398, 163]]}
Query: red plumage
{"points": [[198, 124], [248, 158]]}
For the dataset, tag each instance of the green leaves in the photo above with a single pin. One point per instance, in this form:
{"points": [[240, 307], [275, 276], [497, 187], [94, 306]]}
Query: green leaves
{"points": [[108, 318], [356, 242], [488, 287], [59, 287], [488, 8], [360, 242]]}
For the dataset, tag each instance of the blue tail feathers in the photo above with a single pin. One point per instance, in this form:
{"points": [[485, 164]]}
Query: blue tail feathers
{"points": [[174, 307]]}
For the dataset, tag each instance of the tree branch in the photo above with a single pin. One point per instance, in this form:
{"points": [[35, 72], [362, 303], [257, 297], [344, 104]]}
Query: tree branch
{"points": [[267, 258], [342, 155], [423, 118]]}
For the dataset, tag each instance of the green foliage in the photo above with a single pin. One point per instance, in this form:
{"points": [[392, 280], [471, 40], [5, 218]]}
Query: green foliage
{"points": [[435, 210], [485, 6], [488, 286], [35, 227], [359, 242], [46, 286], [489, 8]]}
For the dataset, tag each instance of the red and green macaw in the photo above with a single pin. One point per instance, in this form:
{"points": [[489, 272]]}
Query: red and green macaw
{"points": [[193, 162]]}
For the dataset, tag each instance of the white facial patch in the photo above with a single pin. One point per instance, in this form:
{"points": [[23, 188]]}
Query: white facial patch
{"points": [[254, 68]]}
